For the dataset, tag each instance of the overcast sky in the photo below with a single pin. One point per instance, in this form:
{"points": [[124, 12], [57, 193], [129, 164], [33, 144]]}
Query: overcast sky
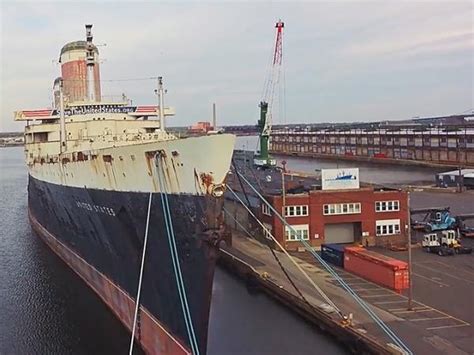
{"points": [[343, 61]]}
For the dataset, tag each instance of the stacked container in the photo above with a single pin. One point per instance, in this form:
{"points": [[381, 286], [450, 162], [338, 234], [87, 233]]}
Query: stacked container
{"points": [[380, 269]]}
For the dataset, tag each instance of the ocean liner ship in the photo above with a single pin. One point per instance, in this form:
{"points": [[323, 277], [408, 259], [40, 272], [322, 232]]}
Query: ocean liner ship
{"points": [[106, 180]]}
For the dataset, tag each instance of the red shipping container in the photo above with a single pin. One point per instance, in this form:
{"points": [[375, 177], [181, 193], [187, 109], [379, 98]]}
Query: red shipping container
{"points": [[378, 268]]}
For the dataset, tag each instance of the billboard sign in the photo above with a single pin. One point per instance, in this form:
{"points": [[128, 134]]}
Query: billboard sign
{"points": [[335, 179]]}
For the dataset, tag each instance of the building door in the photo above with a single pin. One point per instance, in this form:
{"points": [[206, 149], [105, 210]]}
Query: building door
{"points": [[339, 233]]}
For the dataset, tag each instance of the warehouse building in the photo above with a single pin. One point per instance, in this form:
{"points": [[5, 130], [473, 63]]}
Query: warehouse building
{"points": [[439, 145], [339, 214], [456, 178]]}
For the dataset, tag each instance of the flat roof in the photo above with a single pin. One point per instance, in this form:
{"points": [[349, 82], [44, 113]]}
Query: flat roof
{"points": [[456, 172]]}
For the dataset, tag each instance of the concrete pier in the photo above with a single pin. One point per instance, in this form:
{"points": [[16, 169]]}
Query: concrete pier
{"points": [[253, 262]]}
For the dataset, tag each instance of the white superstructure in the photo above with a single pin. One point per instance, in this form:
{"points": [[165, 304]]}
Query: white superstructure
{"points": [[113, 146]]}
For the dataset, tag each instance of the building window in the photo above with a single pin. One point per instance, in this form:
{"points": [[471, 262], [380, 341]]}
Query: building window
{"points": [[266, 209], [296, 211], [341, 208], [387, 206], [387, 227], [298, 232], [267, 231]]}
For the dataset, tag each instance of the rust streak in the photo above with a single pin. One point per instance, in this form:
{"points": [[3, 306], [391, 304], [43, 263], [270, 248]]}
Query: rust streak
{"points": [[175, 173], [166, 169], [148, 159], [207, 180], [196, 180], [94, 166]]}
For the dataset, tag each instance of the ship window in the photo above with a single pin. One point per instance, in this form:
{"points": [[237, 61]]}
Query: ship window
{"points": [[107, 158], [40, 137]]}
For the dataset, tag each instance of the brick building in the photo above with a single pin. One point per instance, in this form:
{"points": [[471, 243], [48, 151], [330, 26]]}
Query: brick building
{"points": [[365, 215]]}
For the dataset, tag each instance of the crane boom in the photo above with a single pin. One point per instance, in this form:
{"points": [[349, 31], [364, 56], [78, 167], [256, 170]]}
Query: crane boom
{"points": [[266, 104]]}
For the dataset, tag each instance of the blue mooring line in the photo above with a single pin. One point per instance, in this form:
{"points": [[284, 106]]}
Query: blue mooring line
{"points": [[176, 265], [361, 302]]}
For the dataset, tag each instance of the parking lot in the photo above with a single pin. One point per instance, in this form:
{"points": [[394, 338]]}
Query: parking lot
{"points": [[442, 313], [443, 288], [443, 293], [435, 304]]}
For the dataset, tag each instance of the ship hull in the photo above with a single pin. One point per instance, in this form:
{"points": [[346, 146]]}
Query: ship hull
{"points": [[100, 234]]}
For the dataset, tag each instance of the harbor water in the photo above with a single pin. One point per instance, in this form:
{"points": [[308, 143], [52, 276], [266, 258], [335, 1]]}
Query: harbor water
{"points": [[45, 308], [369, 172]]}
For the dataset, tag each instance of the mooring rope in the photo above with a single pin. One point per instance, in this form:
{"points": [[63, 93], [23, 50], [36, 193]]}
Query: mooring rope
{"points": [[142, 266], [175, 259], [354, 295], [316, 287], [288, 277]]}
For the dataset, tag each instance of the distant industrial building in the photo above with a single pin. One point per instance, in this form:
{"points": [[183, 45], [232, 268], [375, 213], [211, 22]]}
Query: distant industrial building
{"points": [[200, 127], [445, 140], [456, 178], [434, 145]]}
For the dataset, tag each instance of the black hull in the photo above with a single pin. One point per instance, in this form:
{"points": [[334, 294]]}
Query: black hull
{"points": [[106, 230]]}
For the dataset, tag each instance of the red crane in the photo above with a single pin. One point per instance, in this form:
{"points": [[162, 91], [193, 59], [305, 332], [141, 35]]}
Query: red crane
{"points": [[277, 55]]}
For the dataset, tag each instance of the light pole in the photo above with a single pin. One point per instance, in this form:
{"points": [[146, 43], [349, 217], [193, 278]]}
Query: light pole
{"points": [[283, 171], [410, 284]]}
